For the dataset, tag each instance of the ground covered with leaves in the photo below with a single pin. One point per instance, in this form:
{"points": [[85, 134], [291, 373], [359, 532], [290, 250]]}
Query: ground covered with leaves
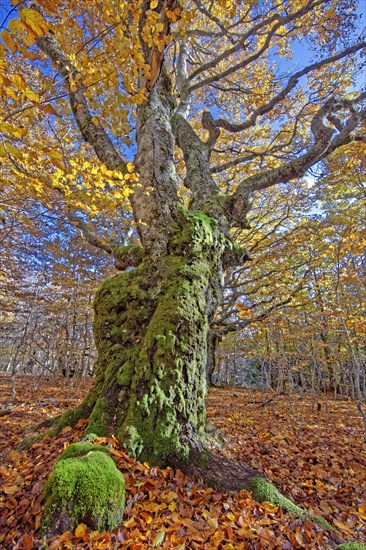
{"points": [[313, 450]]}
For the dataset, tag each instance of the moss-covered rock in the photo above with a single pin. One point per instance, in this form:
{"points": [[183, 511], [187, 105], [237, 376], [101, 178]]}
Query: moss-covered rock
{"points": [[84, 487]]}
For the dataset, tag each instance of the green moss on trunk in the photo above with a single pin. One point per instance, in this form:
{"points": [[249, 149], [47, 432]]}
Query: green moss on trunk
{"points": [[151, 326]]}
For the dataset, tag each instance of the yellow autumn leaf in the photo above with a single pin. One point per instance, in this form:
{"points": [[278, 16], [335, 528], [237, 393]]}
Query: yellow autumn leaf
{"points": [[81, 530], [159, 27], [130, 167], [55, 154], [60, 165], [26, 53], [16, 131], [271, 508], [30, 94], [127, 191], [29, 38], [34, 20], [13, 151], [154, 4], [95, 121], [18, 82], [11, 489], [16, 26], [8, 40]]}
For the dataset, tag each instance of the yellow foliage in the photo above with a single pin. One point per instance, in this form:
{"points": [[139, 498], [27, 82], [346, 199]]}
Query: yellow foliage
{"points": [[16, 26], [34, 20], [15, 131], [13, 151], [8, 40]]}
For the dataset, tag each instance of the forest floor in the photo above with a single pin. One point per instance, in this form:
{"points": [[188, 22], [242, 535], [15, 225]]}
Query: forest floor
{"points": [[316, 457]]}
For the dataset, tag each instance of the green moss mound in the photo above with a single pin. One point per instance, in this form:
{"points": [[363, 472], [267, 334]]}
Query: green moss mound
{"points": [[84, 488], [81, 449]]}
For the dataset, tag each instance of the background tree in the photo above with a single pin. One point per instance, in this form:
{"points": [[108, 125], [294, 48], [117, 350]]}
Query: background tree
{"points": [[48, 278], [218, 113], [307, 345]]}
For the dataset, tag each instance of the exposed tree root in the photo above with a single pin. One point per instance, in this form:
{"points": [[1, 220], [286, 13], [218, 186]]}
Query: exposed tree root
{"points": [[55, 425], [351, 546], [227, 475]]}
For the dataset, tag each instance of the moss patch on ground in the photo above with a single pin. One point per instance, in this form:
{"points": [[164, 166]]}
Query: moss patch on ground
{"points": [[84, 487], [81, 449], [351, 546], [263, 490]]}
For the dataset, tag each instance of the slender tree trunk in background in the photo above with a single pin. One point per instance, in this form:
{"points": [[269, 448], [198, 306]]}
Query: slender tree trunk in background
{"points": [[213, 341]]}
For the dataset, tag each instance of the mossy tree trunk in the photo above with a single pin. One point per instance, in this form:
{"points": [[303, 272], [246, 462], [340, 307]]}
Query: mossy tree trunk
{"points": [[151, 331], [151, 326], [152, 320]]}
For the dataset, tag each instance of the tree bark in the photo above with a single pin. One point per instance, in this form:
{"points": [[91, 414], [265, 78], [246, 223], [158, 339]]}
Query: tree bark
{"points": [[151, 327], [213, 340], [151, 331]]}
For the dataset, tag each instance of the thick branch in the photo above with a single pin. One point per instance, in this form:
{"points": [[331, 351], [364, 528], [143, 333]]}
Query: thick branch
{"points": [[124, 255], [291, 84], [209, 124], [326, 140], [181, 80], [93, 133], [196, 157], [92, 238]]}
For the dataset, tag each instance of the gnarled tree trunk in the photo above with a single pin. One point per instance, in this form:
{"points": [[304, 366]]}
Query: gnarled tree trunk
{"points": [[151, 328], [152, 320]]}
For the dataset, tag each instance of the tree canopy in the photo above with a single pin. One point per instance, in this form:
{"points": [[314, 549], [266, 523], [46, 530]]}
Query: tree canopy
{"points": [[250, 105]]}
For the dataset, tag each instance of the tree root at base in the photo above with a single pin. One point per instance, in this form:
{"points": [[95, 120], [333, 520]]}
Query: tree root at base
{"points": [[55, 424], [226, 475]]}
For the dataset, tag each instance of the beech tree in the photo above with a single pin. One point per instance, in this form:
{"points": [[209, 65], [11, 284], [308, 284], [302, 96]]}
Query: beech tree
{"points": [[209, 99]]}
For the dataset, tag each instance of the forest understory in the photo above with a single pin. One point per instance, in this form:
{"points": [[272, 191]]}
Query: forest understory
{"points": [[311, 447]]}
